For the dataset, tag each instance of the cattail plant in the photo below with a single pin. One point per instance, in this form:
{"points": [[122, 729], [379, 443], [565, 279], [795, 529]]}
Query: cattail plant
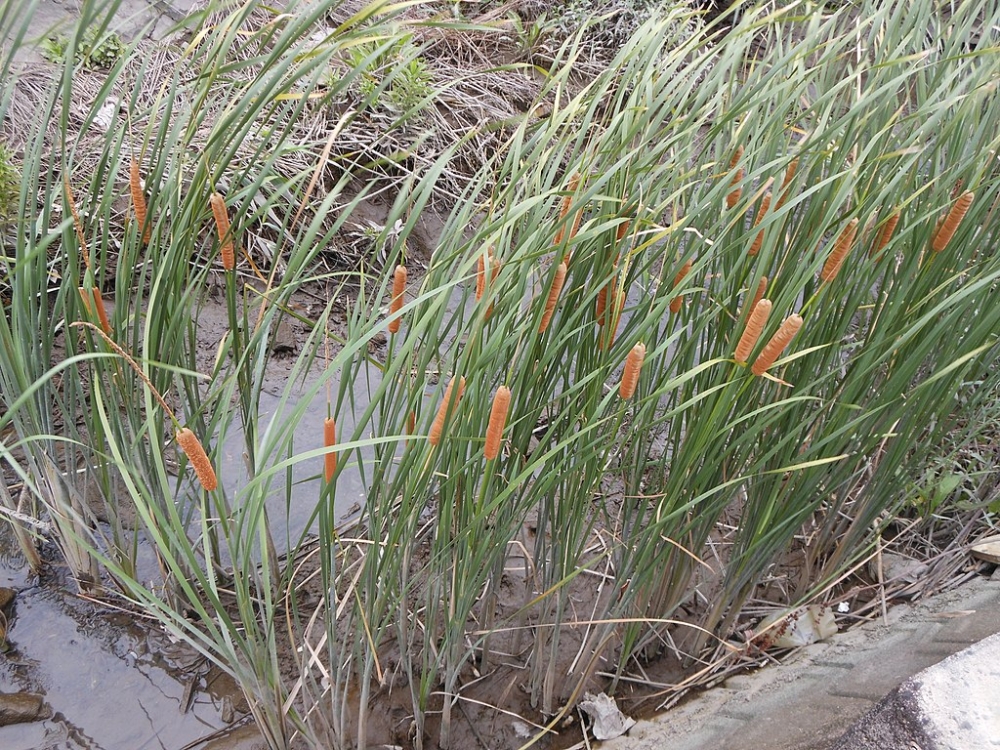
{"points": [[734, 195], [139, 202], [755, 325], [678, 301], [885, 233], [221, 215], [550, 303], [777, 344], [765, 203], [947, 229], [633, 366], [498, 418], [480, 277], [564, 207], [601, 305], [398, 291], [77, 223], [843, 245], [784, 191], [195, 452], [329, 440], [438, 425]]}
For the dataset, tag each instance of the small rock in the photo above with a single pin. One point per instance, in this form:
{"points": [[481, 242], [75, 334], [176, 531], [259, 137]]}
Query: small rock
{"points": [[6, 596], [18, 708]]}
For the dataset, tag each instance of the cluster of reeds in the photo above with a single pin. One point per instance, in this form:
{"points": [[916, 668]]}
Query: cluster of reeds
{"points": [[753, 309]]}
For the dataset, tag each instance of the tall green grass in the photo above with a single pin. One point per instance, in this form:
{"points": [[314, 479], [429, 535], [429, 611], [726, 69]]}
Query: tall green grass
{"points": [[879, 116]]}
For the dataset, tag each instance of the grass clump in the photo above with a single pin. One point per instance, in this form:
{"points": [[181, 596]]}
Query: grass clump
{"points": [[559, 395]]}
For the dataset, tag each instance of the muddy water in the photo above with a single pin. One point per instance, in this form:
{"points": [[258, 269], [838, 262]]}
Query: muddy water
{"points": [[105, 682]]}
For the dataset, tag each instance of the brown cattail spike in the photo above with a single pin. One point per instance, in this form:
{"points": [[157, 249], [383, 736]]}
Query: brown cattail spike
{"points": [[498, 418], [843, 245], [789, 327], [480, 277], [734, 195], [885, 233], [633, 366], [678, 301], [947, 230], [398, 291], [755, 325], [759, 294], [622, 230], [329, 440], [602, 304], [446, 405], [139, 202], [193, 449], [564, 207], [790, 171], [765, 203], [221, 215], [550, 304], [102, 314]]}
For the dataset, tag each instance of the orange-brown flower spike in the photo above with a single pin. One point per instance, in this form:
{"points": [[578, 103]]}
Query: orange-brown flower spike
{"points": [[437, 428], [678, 301], [734, 196], [398, 292], [139, 202], [765, 203], [195, 452], [564, 207], [480, 277], [498, 418], [623, 230], [601, 305], [329, 440], [550, 304], [226, 249], [843, 245], [790, 171], [102, 314], [779, 341], [947, 230], [755, 325], [886, 232], [759, 294], [633, 366]]}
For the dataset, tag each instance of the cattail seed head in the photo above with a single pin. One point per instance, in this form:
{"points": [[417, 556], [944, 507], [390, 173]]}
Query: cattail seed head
{"points": [[790, 171], [885, 233], [102, 314], [633, 366], [550, 303], [195, 452], [622, 230], [565, 204], [138, 202], [601, 304], [943, 235], [737, 155], [734, 195], [755, 325], [480, 277], [759, 294], [329, 440], [77, 222], [498, 418], [765, 203], [221, 215], [843, 245], [678, 301], [446, 405], [779, 341], [398, 291]]}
